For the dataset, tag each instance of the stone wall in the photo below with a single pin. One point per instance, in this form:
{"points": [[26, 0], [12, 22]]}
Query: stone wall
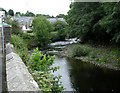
{"points": [[18, 76]]}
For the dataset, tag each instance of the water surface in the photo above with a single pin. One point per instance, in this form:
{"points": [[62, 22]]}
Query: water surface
{"points": [[81, 76]]}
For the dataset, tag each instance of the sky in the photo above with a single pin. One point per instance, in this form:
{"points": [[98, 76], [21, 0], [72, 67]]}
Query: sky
{"points": [[51, 7]]}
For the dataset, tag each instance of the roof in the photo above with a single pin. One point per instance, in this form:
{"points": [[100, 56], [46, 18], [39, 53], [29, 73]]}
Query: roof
{"points": [[52, 20], [23, 19], [5, 25]]}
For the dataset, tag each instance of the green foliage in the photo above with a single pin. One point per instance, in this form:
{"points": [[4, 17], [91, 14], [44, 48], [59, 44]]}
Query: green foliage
{"points": [[78, 51], [60, 27], [40, 65], [98, 55], [40, 62], [48, 82], [17, 14], [54, 36], [30, 14], [15, 27], [42, 29], [47, 16], [60, 16], [2, 9], [29, 39], [98, 22], [20, 47], [103, 55], [11, 12]]}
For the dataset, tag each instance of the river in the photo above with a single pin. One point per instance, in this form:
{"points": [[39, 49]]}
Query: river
{"points": [[84, 77]]}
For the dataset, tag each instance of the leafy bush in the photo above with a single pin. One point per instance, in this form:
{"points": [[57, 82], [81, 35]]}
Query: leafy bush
{"points": [[77, 51], [54, 36], [40, 66], [42, 29], [29, 31], [29, 39], [97, 22], [39, 61], [60, 28], [15, 27], [20, 47]]}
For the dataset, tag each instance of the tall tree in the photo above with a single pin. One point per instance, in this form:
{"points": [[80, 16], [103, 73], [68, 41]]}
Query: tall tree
{"points": [[17, 14], [11, 12], [60, 16], [30, 14], [42, 29], [2, 9]]}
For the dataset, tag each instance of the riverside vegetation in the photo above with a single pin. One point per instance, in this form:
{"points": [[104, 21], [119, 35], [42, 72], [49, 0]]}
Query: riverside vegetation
{"points": [[93, 23], [38, 64], [106, 57]]}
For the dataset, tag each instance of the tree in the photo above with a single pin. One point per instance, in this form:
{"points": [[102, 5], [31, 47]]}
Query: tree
{"points": [[11, 12], [60, 16], [2, 9], [47, 16], [17, 14], [96, 22], [29, 14], [82, 17], [42, 29], [15, 27], [60, 28]]}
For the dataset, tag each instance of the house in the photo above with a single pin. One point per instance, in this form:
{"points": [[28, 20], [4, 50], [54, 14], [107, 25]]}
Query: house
{"points": [[25, 22], [53, 20]]}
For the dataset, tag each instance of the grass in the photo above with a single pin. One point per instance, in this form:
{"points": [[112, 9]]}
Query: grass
{"points": [[98, 55]]}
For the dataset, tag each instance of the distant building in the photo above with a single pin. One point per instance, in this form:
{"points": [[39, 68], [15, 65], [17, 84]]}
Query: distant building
{"points": [[52, 20], [26, 22]]}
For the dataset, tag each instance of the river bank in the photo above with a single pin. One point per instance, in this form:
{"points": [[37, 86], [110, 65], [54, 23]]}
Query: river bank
{"points": [[100, 56]]}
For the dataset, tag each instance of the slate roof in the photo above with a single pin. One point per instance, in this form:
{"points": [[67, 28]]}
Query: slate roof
{"points": [[52, 20], [24, 19]]}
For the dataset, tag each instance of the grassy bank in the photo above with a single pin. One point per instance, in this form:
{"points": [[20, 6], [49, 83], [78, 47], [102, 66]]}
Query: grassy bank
{"points": [[102, 56]]}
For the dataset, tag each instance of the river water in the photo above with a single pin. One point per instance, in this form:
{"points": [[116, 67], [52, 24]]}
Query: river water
{"points": [[83, 77]]}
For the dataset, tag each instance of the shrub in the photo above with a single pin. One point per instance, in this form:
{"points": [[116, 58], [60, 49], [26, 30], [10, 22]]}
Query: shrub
{"points": [[40, 66], [54, 36], [42, 29], [20, 47], [29, 31], [40, 62], [60, 28], [77, 51], [15, 27]]}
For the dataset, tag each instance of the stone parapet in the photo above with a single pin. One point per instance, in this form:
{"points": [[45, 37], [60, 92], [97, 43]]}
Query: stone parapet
{"points": [[18, 76]]}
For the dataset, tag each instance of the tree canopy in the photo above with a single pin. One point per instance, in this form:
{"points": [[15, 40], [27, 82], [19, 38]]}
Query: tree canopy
{"points": [[11, 12], [42, 29], [2, 9], [97, 22]]}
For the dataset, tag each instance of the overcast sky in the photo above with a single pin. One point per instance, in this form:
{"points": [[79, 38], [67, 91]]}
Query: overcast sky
{"points": [[51, 7]]}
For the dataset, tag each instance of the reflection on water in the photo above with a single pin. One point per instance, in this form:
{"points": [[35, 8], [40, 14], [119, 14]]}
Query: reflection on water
{"points": [[81, 76], [64, 71]]}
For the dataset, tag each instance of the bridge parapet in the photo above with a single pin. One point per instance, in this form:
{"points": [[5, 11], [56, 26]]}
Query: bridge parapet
{"points": [[14, 75]]}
